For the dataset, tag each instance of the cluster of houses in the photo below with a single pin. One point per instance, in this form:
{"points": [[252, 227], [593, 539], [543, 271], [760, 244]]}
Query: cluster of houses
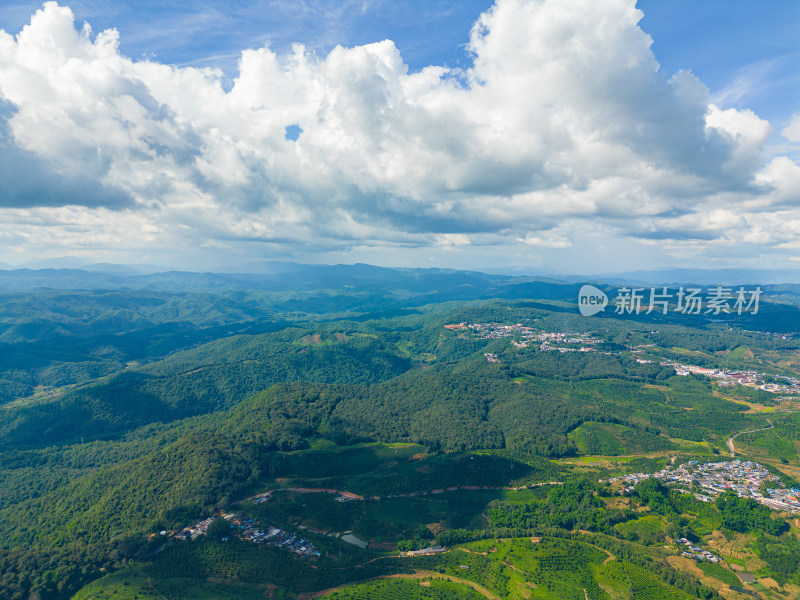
{"points": [[754, 379], [584, 342], [563, 342], [781, 336], [567, 342], [493, 331], [563, 349], [249, 529], [193, 531], [746, 478], [696, 552]]}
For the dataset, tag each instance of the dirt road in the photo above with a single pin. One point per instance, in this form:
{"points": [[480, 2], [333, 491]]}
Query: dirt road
{"points": [[733, 437]]}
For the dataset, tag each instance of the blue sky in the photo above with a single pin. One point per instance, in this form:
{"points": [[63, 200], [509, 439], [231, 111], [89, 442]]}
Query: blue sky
{"points": [[608, 170], [215, 33], [745, 50]]}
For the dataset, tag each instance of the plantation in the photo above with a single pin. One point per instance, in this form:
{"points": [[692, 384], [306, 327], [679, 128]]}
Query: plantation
{"points": [[550, 568], [720, 573], [128, 584], [405, 589], [647, 530], [610, 439], [778, 442]]}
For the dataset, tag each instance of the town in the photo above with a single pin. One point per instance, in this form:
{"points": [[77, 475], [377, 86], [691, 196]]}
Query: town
{"points": [[747, 479]]}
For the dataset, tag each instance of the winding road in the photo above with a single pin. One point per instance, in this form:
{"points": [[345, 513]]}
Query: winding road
{"points": [[733, 437]]}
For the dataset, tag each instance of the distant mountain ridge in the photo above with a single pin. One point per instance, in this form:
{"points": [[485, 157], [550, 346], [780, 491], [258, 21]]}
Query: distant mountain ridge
{"points": [[67, 272], [282, 276], [703, 277], [363, 288]]}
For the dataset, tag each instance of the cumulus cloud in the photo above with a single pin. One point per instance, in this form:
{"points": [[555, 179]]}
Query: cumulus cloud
{"points": [[792, 130], [564, 114], [26, 179]]}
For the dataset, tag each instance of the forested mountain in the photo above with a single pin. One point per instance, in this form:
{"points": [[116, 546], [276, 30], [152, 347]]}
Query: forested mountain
{"points": [[137, 409]]}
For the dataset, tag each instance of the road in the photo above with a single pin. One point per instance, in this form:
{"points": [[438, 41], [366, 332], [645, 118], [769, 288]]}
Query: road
{"points": [[733, 437], [351, 496]]}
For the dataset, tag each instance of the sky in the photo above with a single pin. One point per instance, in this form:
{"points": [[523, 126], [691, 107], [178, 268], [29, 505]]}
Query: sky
{"points": [[541, 135]]}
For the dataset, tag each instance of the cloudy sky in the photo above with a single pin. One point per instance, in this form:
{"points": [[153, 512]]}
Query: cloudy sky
{"points": [[561, 136]]}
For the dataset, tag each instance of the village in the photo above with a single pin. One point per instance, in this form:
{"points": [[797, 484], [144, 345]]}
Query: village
{"points": [[547, 340], [697, 552], [583, 342], [493, 331], [274, 537], [250, 530], [753, 379], [748, 479]]}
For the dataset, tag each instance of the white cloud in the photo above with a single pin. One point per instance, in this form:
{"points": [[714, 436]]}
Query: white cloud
{"points": [[745, 133], [548, 239], [792, 131], [564, 115]]}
